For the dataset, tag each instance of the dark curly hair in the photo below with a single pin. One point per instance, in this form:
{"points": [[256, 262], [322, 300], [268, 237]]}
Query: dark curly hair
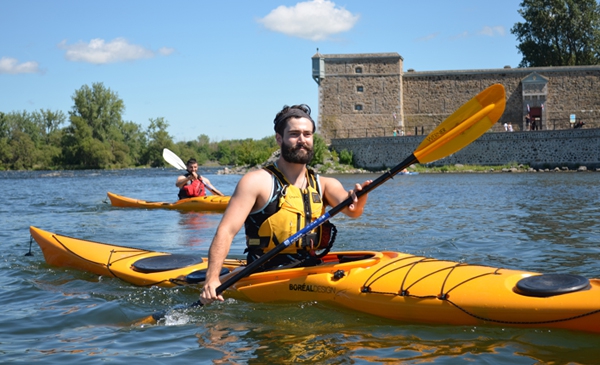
{"points": [[296, 111]]}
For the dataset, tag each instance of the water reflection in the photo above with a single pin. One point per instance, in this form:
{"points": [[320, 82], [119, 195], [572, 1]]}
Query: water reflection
{"points": [[200, 226], [354, 340], [273, 339]]}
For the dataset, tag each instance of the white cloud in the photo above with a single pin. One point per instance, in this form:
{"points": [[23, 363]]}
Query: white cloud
{"points": [[12, 66], [314, 20], [99, 51], [464, 34], [492, 31], [165, 51], [427, 37]]}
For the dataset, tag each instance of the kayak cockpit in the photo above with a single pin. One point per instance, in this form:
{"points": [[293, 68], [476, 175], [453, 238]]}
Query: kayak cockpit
{"points": [[337, 259]]}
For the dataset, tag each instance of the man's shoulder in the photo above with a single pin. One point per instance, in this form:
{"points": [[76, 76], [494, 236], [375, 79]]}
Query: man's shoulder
{"points": [[254, 184], [260, 175]]}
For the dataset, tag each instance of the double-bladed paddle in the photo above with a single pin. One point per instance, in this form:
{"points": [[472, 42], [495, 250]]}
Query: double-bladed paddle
{"points": [[461, 128], [174, 160]]}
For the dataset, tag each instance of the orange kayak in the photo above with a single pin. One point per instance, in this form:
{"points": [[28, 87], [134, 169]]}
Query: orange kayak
{"points": [[393, 285], [209, 203]]}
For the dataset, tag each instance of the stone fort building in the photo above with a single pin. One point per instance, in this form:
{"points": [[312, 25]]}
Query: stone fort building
{"points": [[369, 95]]}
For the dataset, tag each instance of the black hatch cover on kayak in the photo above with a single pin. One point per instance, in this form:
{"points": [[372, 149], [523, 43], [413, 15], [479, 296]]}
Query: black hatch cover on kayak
{"points": [[200, 275], [165, 263], [551, 284]]}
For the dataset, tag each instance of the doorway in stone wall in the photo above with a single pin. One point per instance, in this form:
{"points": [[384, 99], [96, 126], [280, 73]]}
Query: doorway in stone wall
{"points": [[536, 118]]}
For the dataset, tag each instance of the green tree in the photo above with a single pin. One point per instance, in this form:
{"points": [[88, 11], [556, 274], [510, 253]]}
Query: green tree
{"points": [[158, 139], [187, 150], [319, 147], [223, 154], [48, 121], [558, 33], [100, 108], [249, 152], [94, 139], [135, 139], [5, 152], [24, 153], [49, 155], [203, 145], [4, 127], [26, 123], [48, 144], [81, 149], [346, 157], [22, 142]]}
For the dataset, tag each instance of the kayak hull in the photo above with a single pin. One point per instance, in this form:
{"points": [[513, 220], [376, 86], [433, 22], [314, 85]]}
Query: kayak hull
{"points": [[392, 285], [209, 203]]}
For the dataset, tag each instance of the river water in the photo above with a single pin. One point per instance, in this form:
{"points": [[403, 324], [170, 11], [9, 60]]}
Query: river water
{"points": [[545, 222]]}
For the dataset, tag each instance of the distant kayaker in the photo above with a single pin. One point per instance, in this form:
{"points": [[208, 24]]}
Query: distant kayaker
{"points": [[278, 201], [192, 184]]}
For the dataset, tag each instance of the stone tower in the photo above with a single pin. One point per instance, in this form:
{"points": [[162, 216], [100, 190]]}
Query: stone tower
{"points": [[360, 95]]}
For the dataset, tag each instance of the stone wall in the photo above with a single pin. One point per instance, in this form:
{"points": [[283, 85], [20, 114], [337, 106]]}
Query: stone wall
{"points": [[429, 97], [369, 95], [538, 149]]}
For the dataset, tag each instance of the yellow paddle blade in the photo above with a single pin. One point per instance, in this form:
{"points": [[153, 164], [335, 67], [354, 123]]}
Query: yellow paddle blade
{"points": [[464, 125]]}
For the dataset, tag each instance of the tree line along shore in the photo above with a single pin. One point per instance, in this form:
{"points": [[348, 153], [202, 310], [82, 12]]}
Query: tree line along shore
{"points": [[93, 135]]}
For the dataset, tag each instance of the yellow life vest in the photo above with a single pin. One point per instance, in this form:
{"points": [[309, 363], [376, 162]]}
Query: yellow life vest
{"points": [[289, 210]]}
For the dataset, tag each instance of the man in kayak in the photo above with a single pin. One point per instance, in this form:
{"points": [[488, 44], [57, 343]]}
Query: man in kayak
{"points": [[192, 184], [276, 202]]}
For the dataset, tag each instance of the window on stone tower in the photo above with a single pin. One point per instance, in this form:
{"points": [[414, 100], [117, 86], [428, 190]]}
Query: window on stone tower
{"points": [[358, 107], [358, 70], [359, 89]]}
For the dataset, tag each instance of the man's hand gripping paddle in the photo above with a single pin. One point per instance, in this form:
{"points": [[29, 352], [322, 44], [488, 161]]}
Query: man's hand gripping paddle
{"points": [[461, 128]]}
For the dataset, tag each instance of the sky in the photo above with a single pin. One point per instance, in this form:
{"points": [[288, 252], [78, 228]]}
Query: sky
{"points": [[225, 68]]}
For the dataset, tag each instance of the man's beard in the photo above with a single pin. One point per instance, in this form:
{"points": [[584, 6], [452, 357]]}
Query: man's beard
{"points": [[293, 154]]}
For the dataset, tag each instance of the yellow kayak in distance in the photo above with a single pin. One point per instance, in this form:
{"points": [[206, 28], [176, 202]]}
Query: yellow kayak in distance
{"points": [[394, 285], [209, 203]]}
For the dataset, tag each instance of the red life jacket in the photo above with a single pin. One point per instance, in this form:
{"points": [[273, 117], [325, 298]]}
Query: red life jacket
{"points": [[196, 188]]}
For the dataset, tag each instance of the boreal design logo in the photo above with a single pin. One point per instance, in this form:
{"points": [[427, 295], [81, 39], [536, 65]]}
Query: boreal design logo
{"points": [[434, 136], [312, 288]]}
